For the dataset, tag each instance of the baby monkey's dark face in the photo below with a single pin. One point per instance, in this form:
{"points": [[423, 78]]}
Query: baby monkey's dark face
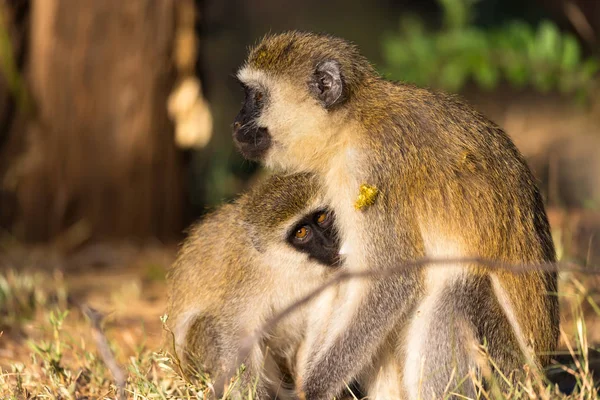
{"points": [[315, 234]]}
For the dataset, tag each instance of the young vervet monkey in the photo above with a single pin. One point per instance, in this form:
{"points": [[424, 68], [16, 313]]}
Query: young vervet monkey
{"points": [[410, 174], [238, 268]]}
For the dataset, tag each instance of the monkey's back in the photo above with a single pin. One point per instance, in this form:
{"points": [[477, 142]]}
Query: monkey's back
{"points": [[461, 177], [213, 264]]}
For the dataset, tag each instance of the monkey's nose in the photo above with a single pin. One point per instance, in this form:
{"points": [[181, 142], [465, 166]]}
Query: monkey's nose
{"points": [[251, 141]]}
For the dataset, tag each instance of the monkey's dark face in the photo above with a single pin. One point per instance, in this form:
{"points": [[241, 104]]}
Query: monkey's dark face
{"points": [[315, 235], [251, 139]]}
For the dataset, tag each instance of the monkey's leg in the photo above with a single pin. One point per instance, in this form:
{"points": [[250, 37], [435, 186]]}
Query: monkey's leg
{"points": [[212, 348], [506, 342], [383, 379], [440, 349], [443, 339]]}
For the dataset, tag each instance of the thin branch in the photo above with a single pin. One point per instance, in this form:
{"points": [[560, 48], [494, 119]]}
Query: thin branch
{"points": [[104, 349], [580, 22], [494, 266]]}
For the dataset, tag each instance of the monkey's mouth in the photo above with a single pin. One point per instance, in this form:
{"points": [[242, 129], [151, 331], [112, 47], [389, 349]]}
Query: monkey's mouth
{"points": [[252, 142]]}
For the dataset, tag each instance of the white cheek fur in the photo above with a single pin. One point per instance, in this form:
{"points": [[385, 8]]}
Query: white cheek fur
{"points": [[293, 134], [345, 249]]}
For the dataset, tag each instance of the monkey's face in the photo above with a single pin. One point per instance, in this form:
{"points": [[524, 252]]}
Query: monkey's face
{"points": [[315, 235], [285, 120], [252, 140]]}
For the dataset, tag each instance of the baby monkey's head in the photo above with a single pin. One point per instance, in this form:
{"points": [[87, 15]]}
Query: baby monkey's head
{"points": [[287, 212]]}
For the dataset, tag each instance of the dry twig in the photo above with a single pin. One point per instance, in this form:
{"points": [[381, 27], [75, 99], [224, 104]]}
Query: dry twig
{"points": [[494, 266], [104, 349], [580, 22]]}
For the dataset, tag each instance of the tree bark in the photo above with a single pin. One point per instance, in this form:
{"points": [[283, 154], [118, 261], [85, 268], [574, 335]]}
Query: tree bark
{"points": [[101, 150]]}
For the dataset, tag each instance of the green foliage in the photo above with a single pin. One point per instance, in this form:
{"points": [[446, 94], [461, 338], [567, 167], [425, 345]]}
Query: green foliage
{"points": [[8, 66], [516, 52], [51, 351]]}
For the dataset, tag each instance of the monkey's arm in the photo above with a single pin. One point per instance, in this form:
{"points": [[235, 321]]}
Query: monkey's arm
{"points": [[340, 352]]}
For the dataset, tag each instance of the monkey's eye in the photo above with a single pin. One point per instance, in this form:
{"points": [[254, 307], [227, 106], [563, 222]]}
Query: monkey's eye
{"points": [[321, 218], [258, 96], [302, 233]]}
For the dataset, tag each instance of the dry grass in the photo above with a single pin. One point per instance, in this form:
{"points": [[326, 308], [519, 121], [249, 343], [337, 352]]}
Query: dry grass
{"points": [[48, 350]]}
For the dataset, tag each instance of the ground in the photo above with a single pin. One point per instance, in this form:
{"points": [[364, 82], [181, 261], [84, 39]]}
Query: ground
{"points": [[46, 352]]}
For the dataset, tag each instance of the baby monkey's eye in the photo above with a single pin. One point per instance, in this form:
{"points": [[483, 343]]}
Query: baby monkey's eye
{"points": [[302, 233], [321, 217], [258, 96]]}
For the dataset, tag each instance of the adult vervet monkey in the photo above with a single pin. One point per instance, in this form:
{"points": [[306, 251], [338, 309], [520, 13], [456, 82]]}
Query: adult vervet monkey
{"points": [[410, 174]]}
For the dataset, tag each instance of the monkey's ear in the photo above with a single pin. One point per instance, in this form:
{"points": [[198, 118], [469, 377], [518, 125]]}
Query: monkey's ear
{"points": [[327, 83]]}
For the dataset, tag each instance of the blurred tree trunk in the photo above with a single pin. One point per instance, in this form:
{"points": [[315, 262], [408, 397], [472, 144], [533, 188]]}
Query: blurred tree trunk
{"points": [[101, 148]]}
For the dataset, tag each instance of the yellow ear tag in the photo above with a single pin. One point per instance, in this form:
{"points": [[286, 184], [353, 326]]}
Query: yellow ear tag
{"points": [[366, 196]]}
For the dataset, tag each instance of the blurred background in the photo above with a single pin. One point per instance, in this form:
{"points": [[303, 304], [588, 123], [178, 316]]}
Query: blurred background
{"points": [[115, 116]]}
